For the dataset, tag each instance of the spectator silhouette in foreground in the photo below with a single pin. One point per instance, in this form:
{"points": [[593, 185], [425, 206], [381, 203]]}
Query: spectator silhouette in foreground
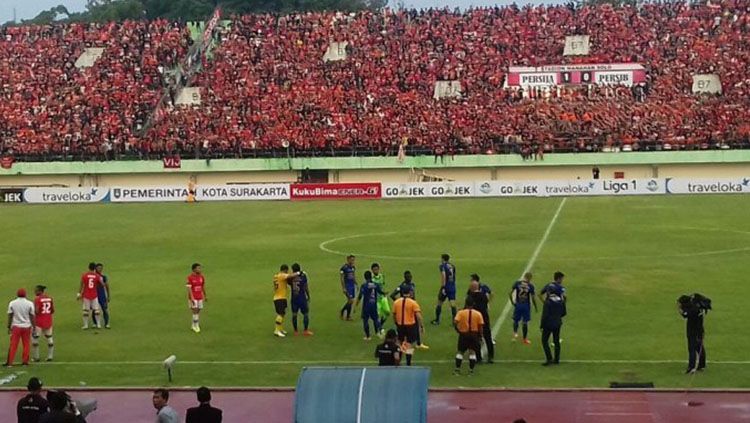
{"points": [[62, 409], [204, 413], [33, 406]]}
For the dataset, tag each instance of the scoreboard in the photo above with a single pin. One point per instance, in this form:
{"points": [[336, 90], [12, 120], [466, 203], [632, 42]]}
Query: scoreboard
{"points": [[600, 74]]}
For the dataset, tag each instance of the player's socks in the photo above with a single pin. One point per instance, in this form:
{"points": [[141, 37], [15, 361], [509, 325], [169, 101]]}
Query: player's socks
{"points": [[85, 321], [525, 331], [106, 318], [367, 328], [50, 349], [343, 309], [515, 329], [35, 349], [453, 312], [294, 322], [472, 361], [408, 359], [438, 311], [459, 360], [306, 322]]}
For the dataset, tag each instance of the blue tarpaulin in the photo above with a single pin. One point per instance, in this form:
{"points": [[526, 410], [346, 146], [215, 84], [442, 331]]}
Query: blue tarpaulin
{"points": [[362, 395]]}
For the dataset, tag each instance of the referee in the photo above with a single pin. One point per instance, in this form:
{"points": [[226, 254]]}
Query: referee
{"points": [[480, 296], [409, 325], [468, 323]]}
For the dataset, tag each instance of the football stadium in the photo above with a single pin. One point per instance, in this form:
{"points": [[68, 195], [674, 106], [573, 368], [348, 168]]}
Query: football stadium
{"points": [[361, 211]]}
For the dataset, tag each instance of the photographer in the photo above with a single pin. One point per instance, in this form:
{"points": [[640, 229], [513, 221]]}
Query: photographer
{"points": [[693, 308], [62, 409]]}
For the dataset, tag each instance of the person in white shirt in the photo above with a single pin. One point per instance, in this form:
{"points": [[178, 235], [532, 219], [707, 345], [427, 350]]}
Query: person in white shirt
{"points": [[20, 324]]}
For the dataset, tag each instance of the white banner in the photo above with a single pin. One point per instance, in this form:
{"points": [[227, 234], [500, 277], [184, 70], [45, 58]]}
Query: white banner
{"points": [[429, 190], [576, 45], [614, 78], [708, 186], [190, 96], [336, 51], [537, 79], [706, 83], [562, 188], [243, 192], [66, 195], [446, 89], [148, 194]]}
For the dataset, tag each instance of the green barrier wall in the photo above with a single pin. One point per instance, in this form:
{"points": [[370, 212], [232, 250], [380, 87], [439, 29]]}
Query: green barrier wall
{"points": [[364, 163]]}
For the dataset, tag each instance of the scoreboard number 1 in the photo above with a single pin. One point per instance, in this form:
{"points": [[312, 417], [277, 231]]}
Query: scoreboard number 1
{"points": [[566, 79]]}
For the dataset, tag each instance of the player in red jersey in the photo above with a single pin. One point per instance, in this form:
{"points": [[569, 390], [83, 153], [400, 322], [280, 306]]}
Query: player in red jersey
{"points": [[90, 282], [196, 294], [45, 308]]}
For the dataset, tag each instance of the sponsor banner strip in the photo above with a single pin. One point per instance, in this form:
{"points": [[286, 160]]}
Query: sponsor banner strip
{"points": [[344, 191], [347, 191]]}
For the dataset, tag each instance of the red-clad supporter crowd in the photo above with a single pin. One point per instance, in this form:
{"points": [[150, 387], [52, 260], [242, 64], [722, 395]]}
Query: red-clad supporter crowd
{"points": [[51, 108], [267, 86]]}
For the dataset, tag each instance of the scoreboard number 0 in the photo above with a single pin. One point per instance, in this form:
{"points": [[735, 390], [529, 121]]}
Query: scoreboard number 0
{"points": [[586, 77]]}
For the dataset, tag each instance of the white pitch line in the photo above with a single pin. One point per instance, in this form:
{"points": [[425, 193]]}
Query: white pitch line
{"points": [[529, 265], [367, 362]]}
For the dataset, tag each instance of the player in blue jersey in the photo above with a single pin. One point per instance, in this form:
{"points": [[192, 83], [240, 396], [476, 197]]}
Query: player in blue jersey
{"points": [[102, 293], [406, 289], [348, 286], [368, 295], [555, 287], [300, 300], [447, 288], [522, 296]]}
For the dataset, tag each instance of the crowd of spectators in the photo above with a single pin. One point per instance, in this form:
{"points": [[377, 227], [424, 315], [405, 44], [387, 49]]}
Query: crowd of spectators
{"points": [[49, 107], [267, 90]]}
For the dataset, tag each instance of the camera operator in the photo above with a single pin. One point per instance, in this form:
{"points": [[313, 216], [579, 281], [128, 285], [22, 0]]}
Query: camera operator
{"points": [[693, 308], [62, 409]]}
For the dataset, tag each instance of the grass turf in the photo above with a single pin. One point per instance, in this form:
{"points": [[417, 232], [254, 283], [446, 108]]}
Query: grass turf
{"points": [[627, 260]]}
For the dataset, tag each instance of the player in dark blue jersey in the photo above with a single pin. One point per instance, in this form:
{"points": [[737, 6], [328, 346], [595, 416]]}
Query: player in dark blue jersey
{"points": [[406, 289], [348, 286], [447, 288], [368, 295], [102, 292], [555, 287], [522, 296], [300, 300], [554, 309]]}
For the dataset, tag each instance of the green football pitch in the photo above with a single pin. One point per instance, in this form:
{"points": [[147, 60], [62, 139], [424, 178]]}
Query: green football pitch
{"points": [[626, 260]]}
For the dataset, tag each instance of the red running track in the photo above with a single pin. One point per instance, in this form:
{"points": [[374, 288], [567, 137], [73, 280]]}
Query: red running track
{"points": [[134, 406]]}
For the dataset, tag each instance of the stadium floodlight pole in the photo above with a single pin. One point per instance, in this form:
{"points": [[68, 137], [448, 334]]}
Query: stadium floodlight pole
{"points": [[169, 364]]}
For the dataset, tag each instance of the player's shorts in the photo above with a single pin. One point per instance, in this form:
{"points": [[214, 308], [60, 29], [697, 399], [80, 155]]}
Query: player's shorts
{"points": [[449, 293], [196, 304], [384, 307], [522, 312], [469, 341], [91, 304], [351, 291], [370, 312], [408, 333], [42, 331], [301, 306], [280, 306]]}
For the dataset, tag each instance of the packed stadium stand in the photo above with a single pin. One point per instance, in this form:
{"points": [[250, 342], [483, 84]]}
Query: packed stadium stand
{"points": [[265, 85]]}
